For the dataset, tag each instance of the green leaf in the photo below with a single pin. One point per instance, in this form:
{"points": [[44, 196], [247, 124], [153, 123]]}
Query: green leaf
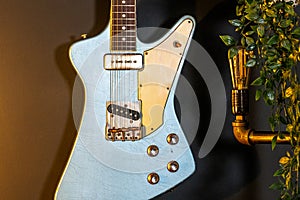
{"points": [[249, 33], [286, 44], [276, 186], [273, 40], [285, 23], [260, 21], [258, 94], [233, 51], [243, 42], [252, 15], [289, 9], [269, 84], [249, 2], [239, 10], [283, 120], [271, 52], [278, 172], [271, 13], [228, 40], [278, 5], [251, 47], [274, 65], [251, 63], [296, 32], [274, 142], [257, 82], [253, 27], [249, 40], [260, 30], [236, 22], [271, 95]]}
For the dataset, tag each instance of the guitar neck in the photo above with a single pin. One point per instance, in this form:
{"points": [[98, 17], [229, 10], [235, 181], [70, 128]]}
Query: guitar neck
{"points": [[123, 25]]}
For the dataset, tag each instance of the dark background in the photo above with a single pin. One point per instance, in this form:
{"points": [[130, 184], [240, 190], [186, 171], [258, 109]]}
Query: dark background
{"points": [[36, 82]]}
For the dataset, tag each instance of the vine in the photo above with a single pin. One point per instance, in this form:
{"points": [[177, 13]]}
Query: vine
{"points": [[270, 29]]}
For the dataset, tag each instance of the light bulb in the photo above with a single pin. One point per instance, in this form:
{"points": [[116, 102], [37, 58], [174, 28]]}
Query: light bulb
{"points": [[240, 82]]}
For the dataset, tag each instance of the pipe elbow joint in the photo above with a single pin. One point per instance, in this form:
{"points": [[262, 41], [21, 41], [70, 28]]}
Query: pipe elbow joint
{"points": [[242, 132]]}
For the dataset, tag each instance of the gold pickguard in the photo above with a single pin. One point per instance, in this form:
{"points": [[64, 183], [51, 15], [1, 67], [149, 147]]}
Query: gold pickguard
{"points": [[161, 64]]}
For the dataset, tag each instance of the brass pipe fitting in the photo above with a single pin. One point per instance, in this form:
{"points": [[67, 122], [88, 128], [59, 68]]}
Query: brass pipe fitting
{"points": [[240, 104], [248, 136], [241, 131]]}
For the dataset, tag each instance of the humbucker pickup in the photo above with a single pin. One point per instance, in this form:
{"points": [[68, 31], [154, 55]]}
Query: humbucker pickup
{"points": [[123, 61]]}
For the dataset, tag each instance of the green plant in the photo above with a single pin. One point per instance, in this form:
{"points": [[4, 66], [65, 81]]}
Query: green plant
{"points": [[270, 29]]}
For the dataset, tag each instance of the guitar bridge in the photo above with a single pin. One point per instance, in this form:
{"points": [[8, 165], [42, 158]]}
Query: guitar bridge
{"points": [[123, 121], [124, 134]]}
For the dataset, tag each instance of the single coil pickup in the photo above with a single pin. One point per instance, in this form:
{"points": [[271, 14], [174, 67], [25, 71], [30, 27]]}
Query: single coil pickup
{"points": [[123, 61], [123, 112], [123, 134]]}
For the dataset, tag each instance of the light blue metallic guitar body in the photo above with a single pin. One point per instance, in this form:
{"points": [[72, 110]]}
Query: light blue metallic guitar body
{"points": [[113, 170]]}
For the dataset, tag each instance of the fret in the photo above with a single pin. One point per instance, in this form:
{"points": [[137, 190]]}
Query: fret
{"points": [[120, 33], [122, 2], [127, 34], [122, 5], [122, 28], [123, 21], [126, 26], [122, 43], [123, 8], [124, 37], [123, 12], [124, 48], [120, 15]]}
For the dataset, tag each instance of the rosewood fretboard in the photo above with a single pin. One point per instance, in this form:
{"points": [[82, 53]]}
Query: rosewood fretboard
{"points": [[123, 25]]}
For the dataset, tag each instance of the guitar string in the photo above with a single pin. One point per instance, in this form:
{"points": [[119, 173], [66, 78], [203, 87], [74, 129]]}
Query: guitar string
{"points": [[135, 38], [126, 80], [131, 38], [120, 71], [130, 4], [127, 39], [114, 59], [118, 58], [109, 123], [115, 25]]}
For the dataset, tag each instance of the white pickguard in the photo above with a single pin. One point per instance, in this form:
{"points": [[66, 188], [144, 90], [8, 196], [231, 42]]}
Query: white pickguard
{"points": [[101, 169]]}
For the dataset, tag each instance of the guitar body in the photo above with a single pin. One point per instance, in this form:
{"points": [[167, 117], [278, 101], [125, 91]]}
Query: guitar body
{"points": [[107, 168]]}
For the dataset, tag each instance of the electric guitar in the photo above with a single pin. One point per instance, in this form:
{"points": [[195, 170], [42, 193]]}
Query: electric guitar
{"points": [[130, 144]]}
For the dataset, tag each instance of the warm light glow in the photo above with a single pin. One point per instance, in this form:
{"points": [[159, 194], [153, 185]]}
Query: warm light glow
{"points": [[239, 71]]}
